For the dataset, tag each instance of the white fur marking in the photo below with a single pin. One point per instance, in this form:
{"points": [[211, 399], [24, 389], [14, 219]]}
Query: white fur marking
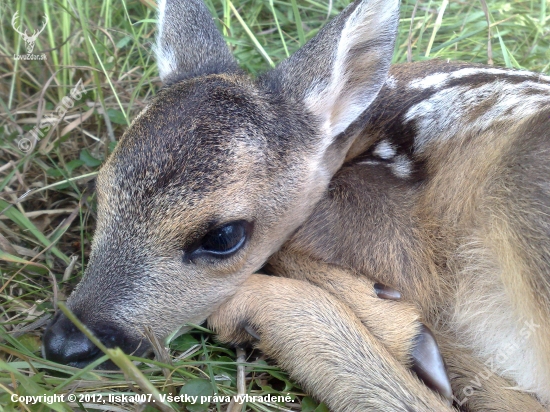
{"points": [[441, 79], [384, 150], [449, 111], [433, 80], [371, 162], [402, 166]]}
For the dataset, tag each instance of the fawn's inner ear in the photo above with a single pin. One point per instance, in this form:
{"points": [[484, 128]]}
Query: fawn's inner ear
{"points": [[339, 73], [189, 43]]}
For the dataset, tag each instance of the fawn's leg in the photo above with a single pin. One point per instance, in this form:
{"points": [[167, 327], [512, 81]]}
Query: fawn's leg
{"points": [[323, 345], [396, 324]]}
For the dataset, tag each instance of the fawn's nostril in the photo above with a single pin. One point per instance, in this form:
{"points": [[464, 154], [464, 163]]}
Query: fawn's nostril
{"points": [[64, 343]]}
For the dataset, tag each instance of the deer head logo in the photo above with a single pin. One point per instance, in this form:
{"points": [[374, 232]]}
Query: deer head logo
{"points": [[29, 40]]}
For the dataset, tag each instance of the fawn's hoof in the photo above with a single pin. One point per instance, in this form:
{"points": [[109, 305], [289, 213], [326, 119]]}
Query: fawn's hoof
{"points": [[428, 363], [385, 292]]}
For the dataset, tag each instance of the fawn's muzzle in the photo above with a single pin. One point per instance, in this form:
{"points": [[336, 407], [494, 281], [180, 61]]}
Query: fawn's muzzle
{"points": [[65, 343]]}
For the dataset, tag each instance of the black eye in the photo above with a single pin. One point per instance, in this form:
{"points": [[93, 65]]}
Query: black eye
{"points": [[224, 241]]}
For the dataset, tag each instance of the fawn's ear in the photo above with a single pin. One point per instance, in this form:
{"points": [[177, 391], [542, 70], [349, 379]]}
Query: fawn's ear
{"points": [[339, 72], [189, 43]]}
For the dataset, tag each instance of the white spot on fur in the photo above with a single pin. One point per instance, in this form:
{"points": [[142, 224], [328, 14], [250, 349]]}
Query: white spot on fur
{"points": [[433, 80], [384, 150], [472, 71], [402, 166]]}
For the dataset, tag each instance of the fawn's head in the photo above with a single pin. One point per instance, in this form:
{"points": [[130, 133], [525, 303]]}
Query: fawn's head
{"points": [[217, 172]]}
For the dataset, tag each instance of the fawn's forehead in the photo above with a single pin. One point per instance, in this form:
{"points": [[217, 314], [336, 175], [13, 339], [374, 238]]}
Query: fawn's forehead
{"points": [[194, 132], [199, 141], [206, 110]]}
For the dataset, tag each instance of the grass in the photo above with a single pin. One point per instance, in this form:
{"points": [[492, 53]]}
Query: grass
{"points": [[46, 205]]}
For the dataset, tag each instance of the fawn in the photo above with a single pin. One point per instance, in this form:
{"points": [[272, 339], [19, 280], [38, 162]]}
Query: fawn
{"points": [[379, 203]]}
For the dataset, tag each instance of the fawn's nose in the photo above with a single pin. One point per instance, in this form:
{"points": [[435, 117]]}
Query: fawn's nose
{"points": [[64, 343]]}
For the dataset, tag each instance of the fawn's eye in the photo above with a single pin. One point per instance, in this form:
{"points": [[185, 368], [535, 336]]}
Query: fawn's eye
{"points": [[223, 241]]}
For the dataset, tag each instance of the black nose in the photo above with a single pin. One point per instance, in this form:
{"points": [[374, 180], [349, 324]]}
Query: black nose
{"points": [[64, 343]]}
